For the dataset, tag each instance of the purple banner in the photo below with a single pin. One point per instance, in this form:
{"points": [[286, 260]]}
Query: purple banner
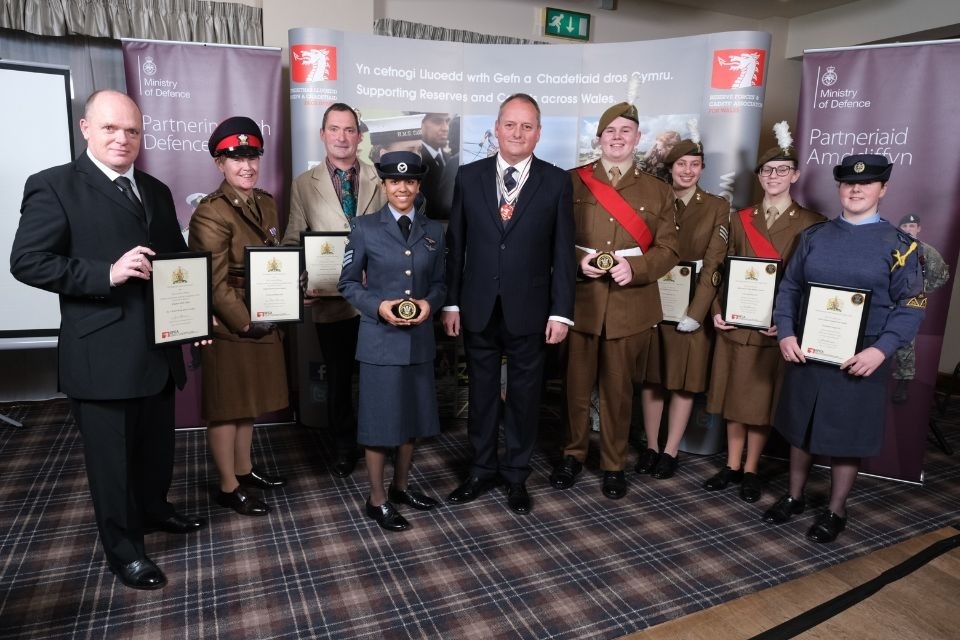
{"points": [[184, 90], [898, 101]]}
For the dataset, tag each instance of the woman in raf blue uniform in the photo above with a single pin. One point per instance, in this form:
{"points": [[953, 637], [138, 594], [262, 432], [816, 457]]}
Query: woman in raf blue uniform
{"points": [[394, 258], [839, 412]]}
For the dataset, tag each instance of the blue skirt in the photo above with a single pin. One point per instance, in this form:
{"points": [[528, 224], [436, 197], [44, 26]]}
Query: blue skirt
{"points": [[397, 403]]}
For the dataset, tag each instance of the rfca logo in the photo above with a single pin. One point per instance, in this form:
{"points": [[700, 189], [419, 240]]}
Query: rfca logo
{"points": [[313, 63], [737, 68]]}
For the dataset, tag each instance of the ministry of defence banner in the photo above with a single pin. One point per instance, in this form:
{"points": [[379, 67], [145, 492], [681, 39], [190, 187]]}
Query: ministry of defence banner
{"points": [[184, 90], [717, 79], [898, 101]]}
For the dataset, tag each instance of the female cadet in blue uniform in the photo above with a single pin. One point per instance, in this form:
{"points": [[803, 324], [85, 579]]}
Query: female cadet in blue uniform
{"points": [[393, 256], [839, 412]]}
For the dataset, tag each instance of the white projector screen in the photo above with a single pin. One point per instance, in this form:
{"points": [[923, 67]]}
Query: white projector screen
{"points": [[37, 135]]}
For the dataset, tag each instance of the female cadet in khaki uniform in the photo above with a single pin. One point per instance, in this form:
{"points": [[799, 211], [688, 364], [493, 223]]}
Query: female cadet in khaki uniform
{"points": [[679, 361], [243, 372], [746, 362]]}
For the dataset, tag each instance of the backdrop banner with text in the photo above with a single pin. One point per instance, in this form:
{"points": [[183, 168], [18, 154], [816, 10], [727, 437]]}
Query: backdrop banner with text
{"points": [[182, 102], [398, 84], [849, 104]]}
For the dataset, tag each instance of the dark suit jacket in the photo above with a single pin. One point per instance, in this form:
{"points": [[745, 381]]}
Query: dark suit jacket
{"points": [[437, 184], [74, 224], [529, 262]]}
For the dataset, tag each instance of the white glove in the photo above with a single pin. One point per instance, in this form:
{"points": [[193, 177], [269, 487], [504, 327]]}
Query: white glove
{"points": [[687, 325]]}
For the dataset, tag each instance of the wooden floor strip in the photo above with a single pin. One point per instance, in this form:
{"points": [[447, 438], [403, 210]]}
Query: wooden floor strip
{"points": [[920, 605]]}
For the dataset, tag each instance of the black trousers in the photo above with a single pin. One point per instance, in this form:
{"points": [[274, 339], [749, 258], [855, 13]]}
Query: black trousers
{"points": [[128, 450], [521, 412], [338, 344]]}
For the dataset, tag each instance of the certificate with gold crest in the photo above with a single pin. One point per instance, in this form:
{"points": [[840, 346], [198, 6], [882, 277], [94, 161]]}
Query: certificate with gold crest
{"points": [[676, 291], [180, 302], [273, 284], [323, 256], [750, 291], [833, 322]]}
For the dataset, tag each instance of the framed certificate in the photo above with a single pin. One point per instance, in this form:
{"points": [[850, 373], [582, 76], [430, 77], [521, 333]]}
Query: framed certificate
{"points": [[833, 322], [323, 256], [750, 291], [181, 300], [676, 291], [273, 283]]}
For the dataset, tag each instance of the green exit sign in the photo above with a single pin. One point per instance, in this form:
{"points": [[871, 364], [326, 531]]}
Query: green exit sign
{"points": [[561, 23]]}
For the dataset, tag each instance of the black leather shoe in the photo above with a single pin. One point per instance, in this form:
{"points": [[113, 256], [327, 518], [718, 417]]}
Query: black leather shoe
{"points": [[243, 503], [387, 516], [614, 484], [472, 489], [518, 499], [647, 461], [261, 480], [140, 574], [177, 523], [666, 466], [413, 498], [751, 488], [345, 464], [827, 527], [784, 509], [722, 478], [565, 473]]}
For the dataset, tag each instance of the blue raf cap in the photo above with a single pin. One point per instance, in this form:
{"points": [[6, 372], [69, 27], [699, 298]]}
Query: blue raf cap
{"points": [[400, 165], [864, 167]]}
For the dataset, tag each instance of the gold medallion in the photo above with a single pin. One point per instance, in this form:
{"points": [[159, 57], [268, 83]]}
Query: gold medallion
{"points": [[406, 309], [604, 261]]}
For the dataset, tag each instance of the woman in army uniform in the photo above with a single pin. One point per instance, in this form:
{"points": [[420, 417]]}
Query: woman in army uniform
{"points": [[746, 362], [679, 362], [243, 372]]}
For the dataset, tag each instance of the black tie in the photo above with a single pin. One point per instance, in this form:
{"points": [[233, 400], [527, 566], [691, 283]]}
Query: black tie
{"points": [[509, 182], [126, 187], [404, 222]]}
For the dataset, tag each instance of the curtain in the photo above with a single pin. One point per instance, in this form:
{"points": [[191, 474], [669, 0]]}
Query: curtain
{"points": [[415, 30], [180, 20]]}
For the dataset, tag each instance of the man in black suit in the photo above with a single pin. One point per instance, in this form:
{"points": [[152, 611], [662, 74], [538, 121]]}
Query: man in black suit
{"points": [[86, 232], [437, 185], [510, 286]]}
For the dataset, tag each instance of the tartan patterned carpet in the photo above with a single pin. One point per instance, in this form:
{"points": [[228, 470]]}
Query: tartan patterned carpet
{"points": [[580, 566]]}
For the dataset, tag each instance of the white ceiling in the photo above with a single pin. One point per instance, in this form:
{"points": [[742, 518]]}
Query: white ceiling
{"points": [[759, 9]]}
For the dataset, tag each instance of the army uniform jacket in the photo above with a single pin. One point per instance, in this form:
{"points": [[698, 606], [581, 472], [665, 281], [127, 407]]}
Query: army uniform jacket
{"points": [[601, 304], [783, 236], [702, 227]]}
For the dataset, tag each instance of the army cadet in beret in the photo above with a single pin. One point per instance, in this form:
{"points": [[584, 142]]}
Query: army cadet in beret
{"points": [[936, 272], [393, 273], [746, 362], [832, 411], [626, 239], [679, 361], [244, 375]]}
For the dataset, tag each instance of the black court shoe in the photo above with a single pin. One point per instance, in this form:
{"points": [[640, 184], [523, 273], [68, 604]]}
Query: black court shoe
{"points": [[784, 509], [647, 462], [261, 480], [827, 527], [387, 516], [721, 479], [411, 497]]}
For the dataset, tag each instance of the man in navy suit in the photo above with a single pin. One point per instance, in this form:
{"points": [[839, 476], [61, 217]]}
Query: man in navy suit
{"points": [[86, 232], [510, 287]]}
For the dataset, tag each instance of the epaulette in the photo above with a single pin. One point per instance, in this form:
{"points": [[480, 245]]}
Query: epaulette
{"points": [[262, 192], [712, 195], [905, 238], [211, 196]]}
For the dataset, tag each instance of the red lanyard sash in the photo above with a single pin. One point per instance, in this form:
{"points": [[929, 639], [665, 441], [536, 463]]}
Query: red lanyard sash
{"points": [[762, 247], [611, 200]]}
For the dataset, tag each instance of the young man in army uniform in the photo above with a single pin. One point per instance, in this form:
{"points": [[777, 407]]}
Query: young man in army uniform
{"points": [[625, 241]]}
